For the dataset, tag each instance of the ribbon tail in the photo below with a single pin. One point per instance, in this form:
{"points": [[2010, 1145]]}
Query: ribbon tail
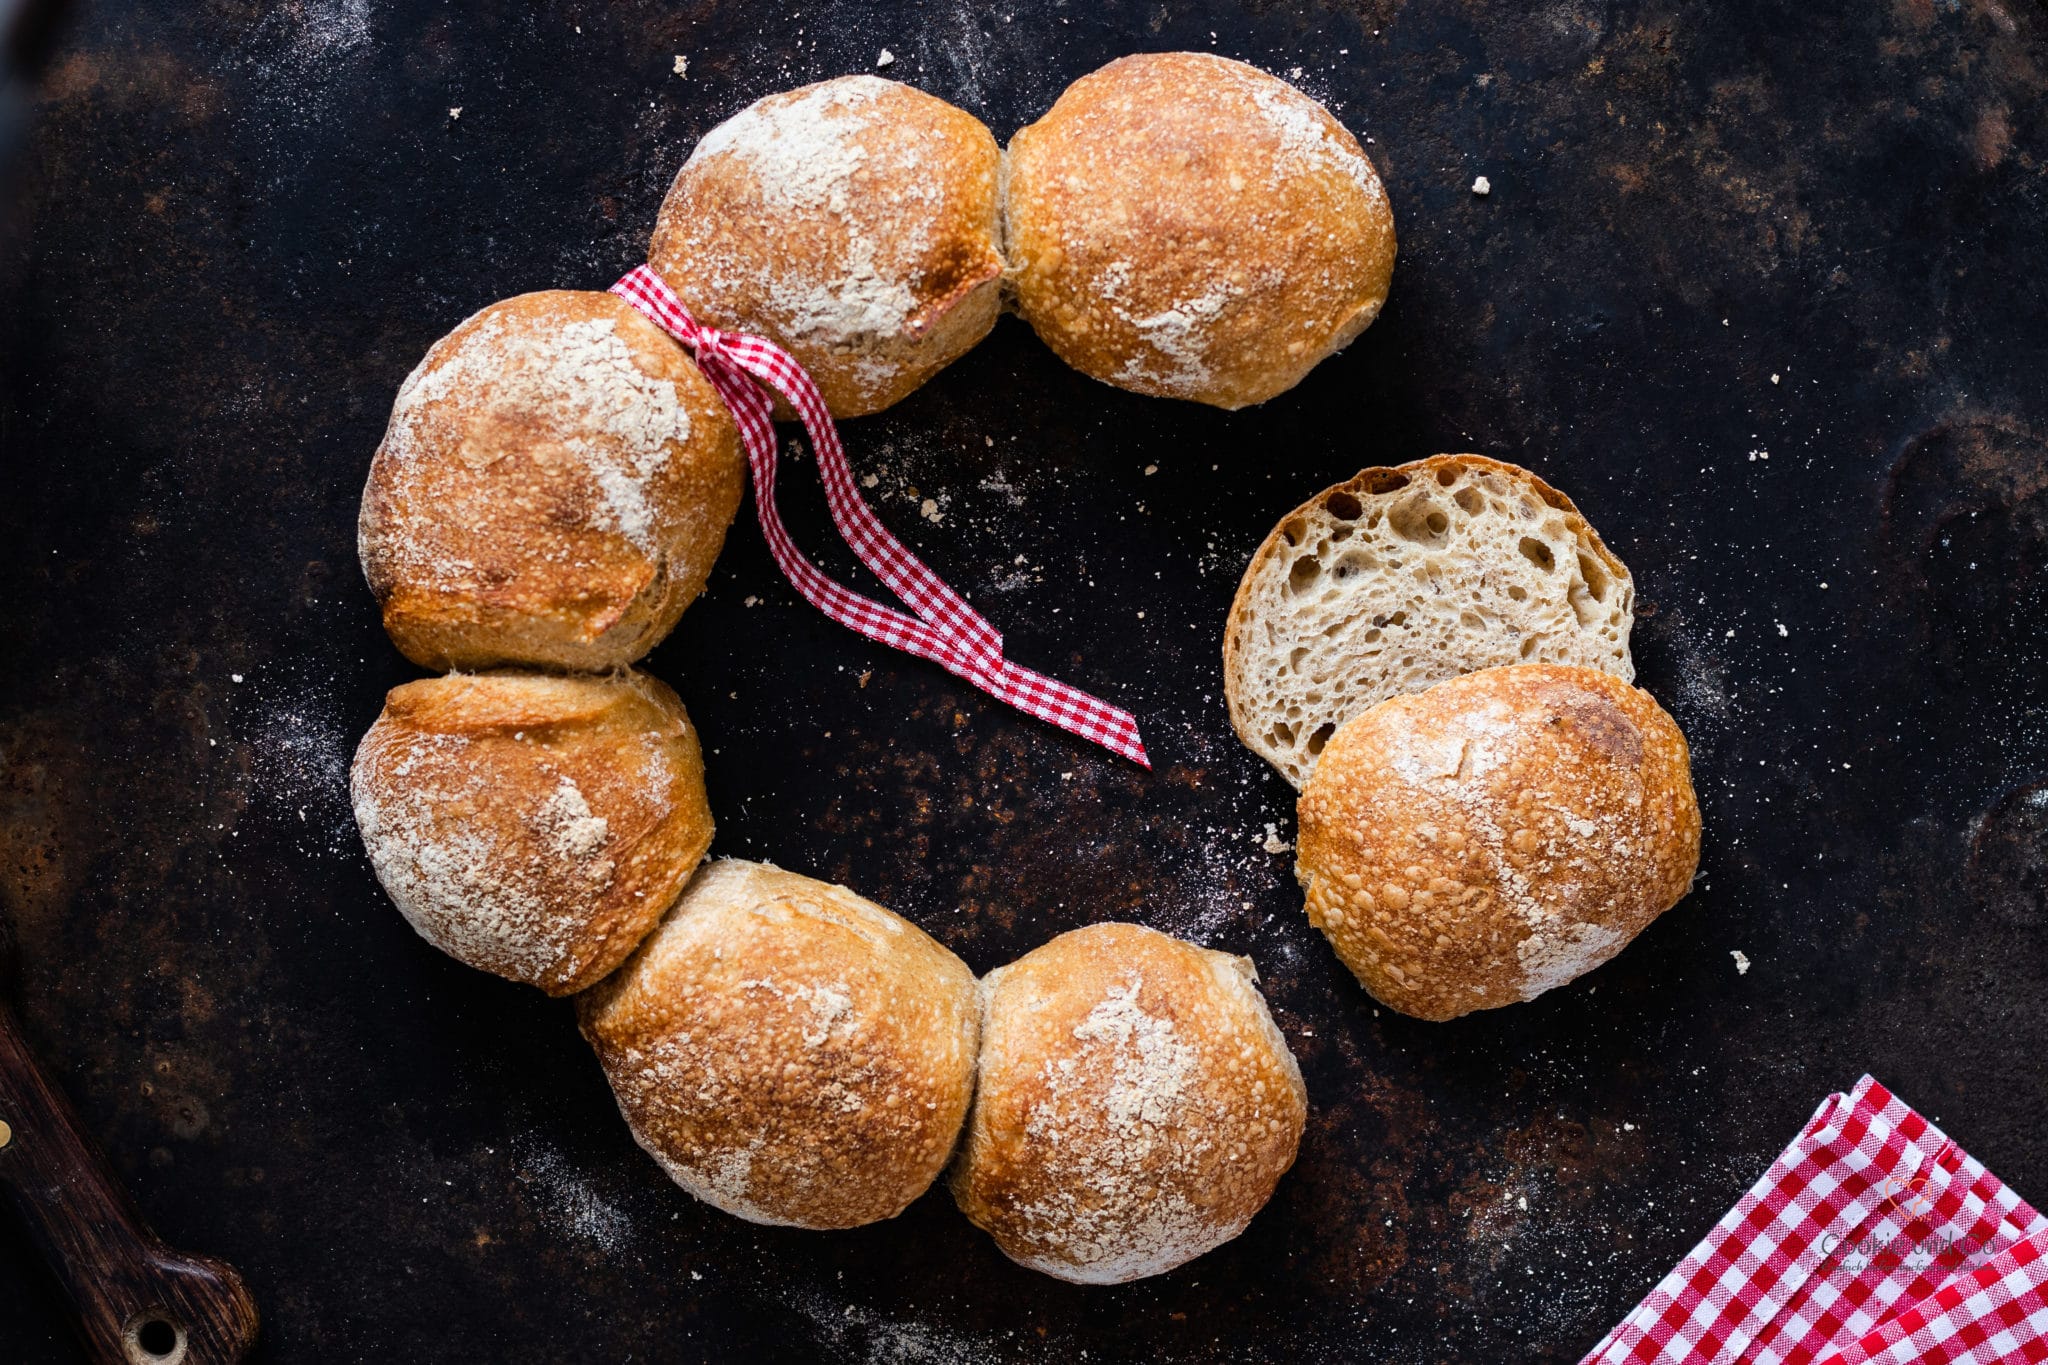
{"points": [[1071, 709]]}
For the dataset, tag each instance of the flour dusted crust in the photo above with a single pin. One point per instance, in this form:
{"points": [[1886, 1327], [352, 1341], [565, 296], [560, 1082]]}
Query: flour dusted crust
{"points": [[789, 1052], [1496, 836], [1136, 1105], [1184, 225], [555, 482], [531, 825], [1399, 578], [854, 222]]}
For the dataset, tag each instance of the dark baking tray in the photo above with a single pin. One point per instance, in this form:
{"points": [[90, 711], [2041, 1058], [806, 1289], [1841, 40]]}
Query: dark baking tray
{"points": [[245, 222]]}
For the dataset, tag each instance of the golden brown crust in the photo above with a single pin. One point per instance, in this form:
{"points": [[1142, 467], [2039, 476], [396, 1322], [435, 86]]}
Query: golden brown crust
{"points": [[789, 1052], [553, 487], [532, 825], [1184, 225], [1372, 482], [1136, 1105], [1497, 835], [854, 222]]}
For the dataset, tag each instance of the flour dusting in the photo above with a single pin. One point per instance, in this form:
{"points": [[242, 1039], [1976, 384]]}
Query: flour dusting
{"points": [[569, 1200]]}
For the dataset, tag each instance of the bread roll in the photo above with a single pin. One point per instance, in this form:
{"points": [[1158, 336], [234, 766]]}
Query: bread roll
{"points": [[789, 1052], [854, 222], [555, 483], [1399, 578], [532, 825], [1136, 1105], [1497, 835], [1184, 225]]}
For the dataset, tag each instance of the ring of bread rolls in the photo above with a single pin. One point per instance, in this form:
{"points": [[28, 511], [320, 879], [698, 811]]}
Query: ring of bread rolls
{"points": [[553, 487], [787, 1051], [1184, 225], [532, 825], [1496, 836], [1135, 1105], [855, 222]]}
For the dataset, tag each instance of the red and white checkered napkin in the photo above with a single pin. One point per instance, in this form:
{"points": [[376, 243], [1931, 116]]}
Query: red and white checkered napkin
{"points": [[1872, 1238], [945, 629]]}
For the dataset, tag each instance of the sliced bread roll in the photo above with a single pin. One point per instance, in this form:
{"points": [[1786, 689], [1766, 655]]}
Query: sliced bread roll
{"points": [[1400, 578]]}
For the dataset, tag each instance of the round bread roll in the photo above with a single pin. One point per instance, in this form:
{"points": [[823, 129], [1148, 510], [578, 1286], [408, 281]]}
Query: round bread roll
{"points": [[1136, 1105], [1188, 226], [531, 825], [789, 1052], [1497, 835], [555, 483], [854, 222]]}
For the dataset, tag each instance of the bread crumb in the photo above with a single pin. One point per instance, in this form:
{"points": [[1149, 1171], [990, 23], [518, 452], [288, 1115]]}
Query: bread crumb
{"points": [[234, 677], [455, 111], [1151, 469], [887, 58], [1274, 843], [1774, 379], [682, 65], [1482, 187], [1741, 961], [929, 510]]}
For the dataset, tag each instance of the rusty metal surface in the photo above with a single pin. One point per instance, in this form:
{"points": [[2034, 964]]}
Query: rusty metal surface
{"points": [[1758, 284]]}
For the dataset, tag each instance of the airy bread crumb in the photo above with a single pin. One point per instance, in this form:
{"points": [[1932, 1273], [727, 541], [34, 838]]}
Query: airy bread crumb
{"points": [[1403, 577]]}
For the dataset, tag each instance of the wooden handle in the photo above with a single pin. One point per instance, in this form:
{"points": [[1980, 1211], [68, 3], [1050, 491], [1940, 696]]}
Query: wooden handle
{"points": [[139, 1303]]}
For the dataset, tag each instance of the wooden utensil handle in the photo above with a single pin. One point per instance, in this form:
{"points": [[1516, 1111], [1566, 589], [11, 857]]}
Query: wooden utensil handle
{"points": [[138, 1302]]}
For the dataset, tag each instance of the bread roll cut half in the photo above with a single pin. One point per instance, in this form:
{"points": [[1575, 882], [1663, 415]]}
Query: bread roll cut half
{"points": [[1496, 836], [1136, 1105], [532, 825], [789, 1052], [1399, 578], [854, 222], [1188, 226], [553, 487]]}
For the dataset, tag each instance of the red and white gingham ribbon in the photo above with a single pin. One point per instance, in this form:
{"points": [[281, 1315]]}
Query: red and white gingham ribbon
{"points": [[945, 629], [1872, 1240]]}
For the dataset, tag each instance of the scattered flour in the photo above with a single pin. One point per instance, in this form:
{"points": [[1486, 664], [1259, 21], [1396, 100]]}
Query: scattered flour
{"points": [[299, 746], [568, 1199]]}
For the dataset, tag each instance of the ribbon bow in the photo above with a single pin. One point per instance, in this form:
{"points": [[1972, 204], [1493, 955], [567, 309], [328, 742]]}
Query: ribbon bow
{"points": [[945, 629]]}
